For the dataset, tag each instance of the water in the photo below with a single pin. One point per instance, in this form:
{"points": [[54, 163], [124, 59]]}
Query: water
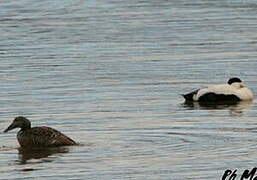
{"points": [[110, 75]]}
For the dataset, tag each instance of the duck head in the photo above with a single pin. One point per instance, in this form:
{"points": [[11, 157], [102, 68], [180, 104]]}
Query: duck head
{"points": [[19, 122], [236, 82]]}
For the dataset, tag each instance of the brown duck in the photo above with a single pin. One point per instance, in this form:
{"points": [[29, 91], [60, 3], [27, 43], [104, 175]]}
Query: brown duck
{"points": [[38, 136]]}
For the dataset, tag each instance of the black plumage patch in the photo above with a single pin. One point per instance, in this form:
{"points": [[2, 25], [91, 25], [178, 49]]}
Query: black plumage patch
{"points": [[212, 97], [233, 80]]}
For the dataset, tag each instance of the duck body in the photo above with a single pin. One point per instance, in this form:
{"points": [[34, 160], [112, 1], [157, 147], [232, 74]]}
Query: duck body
{"points": [[234, 91], [38, 136], [43, 137]]}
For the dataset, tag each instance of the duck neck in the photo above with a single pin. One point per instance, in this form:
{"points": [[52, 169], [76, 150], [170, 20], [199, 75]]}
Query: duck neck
{"points": [[25, 128]]}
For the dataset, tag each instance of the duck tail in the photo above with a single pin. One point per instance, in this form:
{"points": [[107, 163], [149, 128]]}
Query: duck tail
{"points": [[189, 96]]}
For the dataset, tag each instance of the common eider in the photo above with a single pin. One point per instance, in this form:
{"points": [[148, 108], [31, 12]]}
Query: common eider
{"points": [[30, 137], [233, 91]]}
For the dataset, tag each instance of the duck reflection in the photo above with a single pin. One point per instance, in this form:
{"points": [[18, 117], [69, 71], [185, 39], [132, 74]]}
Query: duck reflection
{"points": [[234, 107], [40, 153]]}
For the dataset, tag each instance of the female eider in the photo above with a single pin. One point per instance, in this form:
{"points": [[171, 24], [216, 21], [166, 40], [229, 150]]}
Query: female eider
{"points": [[233, 91], [38, 136]]}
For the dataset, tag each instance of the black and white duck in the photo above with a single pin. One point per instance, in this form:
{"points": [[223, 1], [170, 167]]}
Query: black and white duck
{"points": [[234, 91]]}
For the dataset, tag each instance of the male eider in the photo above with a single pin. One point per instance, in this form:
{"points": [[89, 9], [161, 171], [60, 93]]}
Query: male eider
{"points": [[233, 91], [38, 136]]}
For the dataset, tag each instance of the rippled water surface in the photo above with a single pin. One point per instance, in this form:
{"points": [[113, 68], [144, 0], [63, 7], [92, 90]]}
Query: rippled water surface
{"points": [[109, 74]]}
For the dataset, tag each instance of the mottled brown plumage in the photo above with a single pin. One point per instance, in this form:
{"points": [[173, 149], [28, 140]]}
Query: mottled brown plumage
{"points": [[38, 136]]}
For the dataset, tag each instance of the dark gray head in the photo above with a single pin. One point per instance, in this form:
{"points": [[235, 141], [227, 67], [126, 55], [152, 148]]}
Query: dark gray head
{"points": [[19, 122], [233, 80]]}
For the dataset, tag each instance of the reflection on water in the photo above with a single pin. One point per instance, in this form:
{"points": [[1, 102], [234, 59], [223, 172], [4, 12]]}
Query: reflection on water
{"points": [[39, 153], [235, 108]]}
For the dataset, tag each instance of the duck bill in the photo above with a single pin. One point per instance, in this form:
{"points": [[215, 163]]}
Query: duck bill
{"points": [[12, 126]]}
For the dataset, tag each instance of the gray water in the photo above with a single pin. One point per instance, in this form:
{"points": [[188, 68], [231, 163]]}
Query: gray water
{"points": [[109, 74]]}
